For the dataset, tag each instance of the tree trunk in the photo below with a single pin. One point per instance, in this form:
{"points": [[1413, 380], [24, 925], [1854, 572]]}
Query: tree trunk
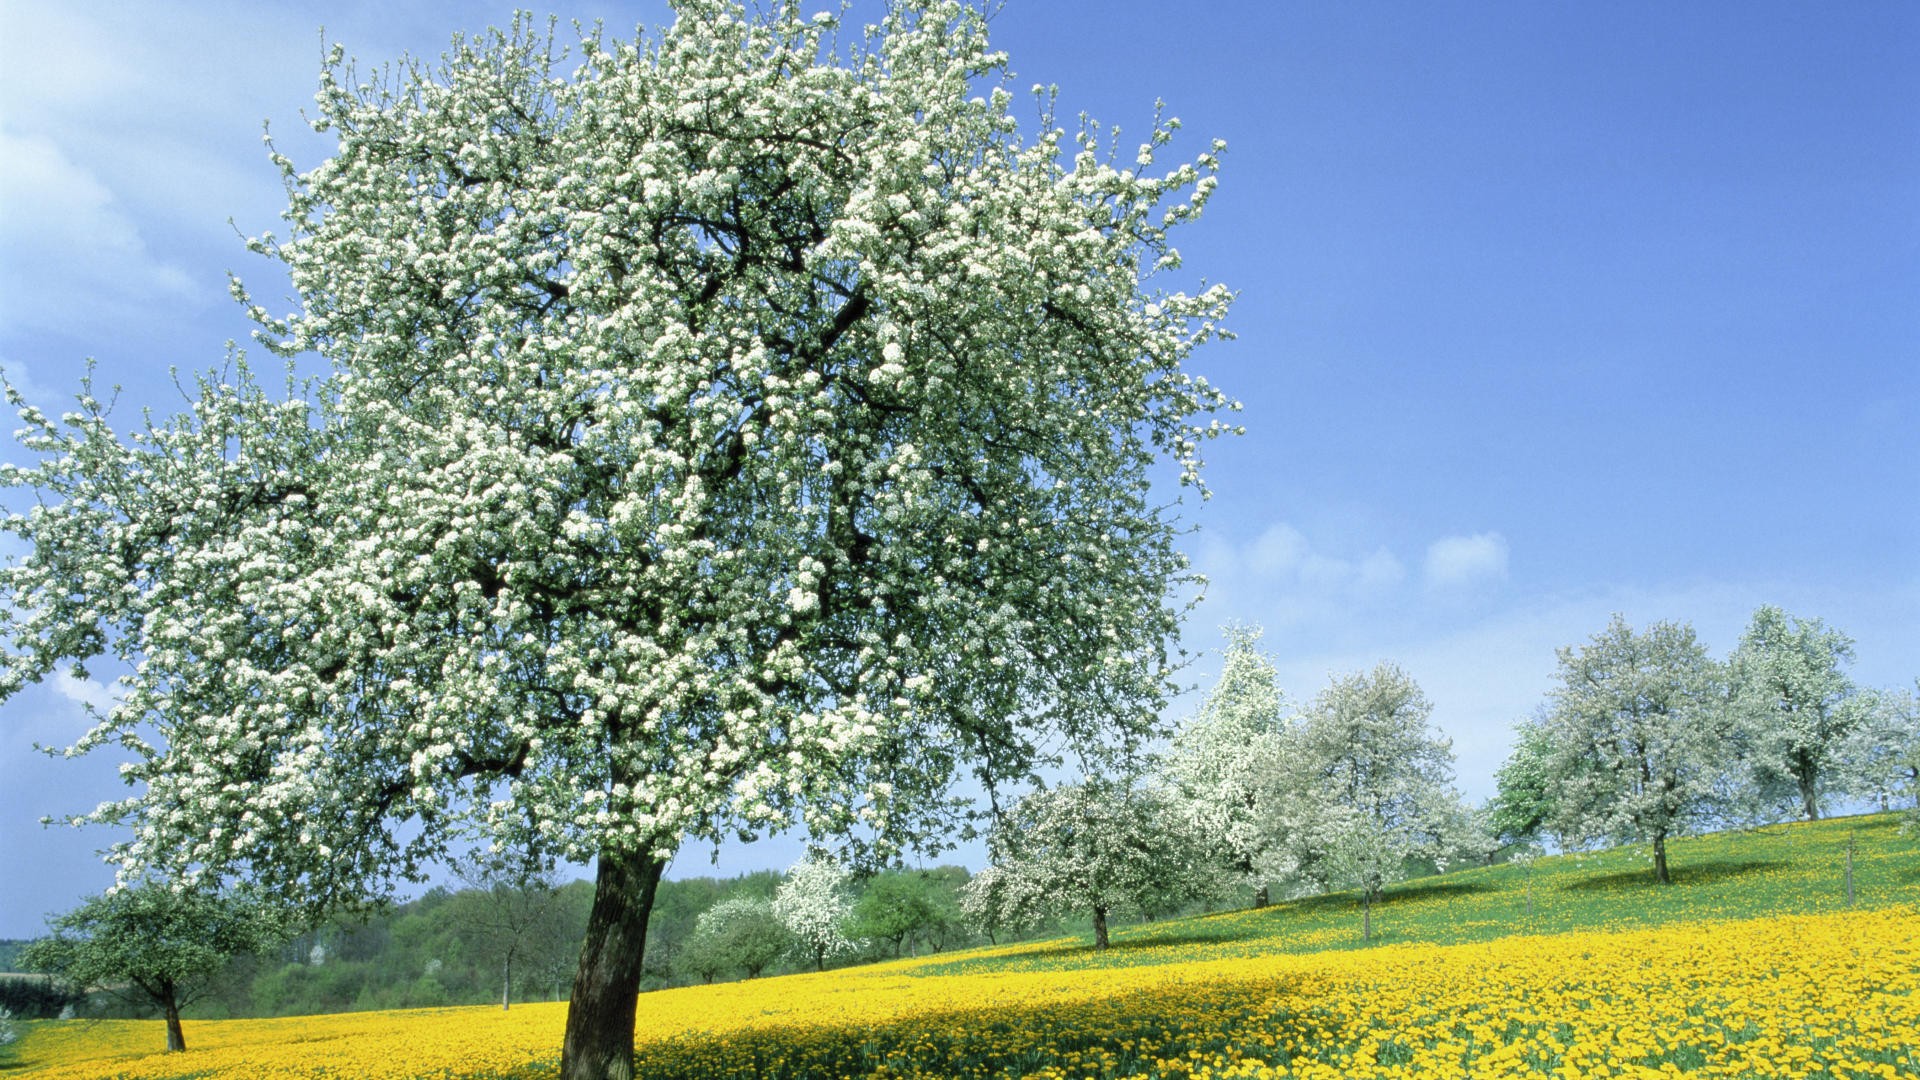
{"points": [[176, 1039], [1849, 867], [1366, 919], [1809, 797], [1261, 898], [506, 982], [1660, 858], [606, 987], [1100, 927]]}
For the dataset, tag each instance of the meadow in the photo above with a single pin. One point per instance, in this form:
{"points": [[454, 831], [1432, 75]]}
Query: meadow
{"points": [[1750, 965]]}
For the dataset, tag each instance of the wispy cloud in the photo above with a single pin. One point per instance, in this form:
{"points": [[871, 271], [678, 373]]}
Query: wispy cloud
{"points": [[1458, 562], [67, 246], [1283, 554], [20, 374], [86, 692]]}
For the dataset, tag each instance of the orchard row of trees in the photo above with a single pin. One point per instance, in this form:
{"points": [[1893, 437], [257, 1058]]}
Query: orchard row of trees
{"points": [[1353, 790], [1644, 736]]}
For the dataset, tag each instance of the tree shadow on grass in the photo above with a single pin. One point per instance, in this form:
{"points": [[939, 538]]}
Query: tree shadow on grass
{"points": [[1123, 945], [1121, 1033], [1436, 890], [1067, 949], [1702, 873], [1340, 902]]}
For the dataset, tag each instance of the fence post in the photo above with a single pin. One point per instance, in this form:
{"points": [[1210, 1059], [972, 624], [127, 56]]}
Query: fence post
{"points": [[1849, 867]]}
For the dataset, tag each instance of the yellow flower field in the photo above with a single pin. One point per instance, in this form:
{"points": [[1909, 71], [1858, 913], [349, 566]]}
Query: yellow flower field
{"points": [[1831, 995]]}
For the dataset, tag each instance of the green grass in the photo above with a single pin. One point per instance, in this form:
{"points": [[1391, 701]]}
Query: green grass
{"points": [[1796, 868]]}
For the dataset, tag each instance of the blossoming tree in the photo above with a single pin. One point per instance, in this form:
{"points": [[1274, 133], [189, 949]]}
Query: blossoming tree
{"points": [[1797, 703], [813, 905], [746, 427], [1090, 848], [155, 943], [741, 933], [1231, 770], [1639, 732], [1381, 781]]}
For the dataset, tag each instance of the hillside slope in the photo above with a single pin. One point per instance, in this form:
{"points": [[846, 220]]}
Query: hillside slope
{"points": [[1749, 966]]}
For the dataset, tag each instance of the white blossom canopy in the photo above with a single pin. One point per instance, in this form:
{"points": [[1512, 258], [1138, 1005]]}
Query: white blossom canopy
{"points": [[739, 429]]}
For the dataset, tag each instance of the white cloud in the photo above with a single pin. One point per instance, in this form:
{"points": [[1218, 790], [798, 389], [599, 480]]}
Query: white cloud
{"points": [[86, 692], [1455, 562], [68, 249], [1283, 555]]}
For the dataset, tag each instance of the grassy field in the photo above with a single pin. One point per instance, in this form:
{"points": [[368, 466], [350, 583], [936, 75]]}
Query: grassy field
{"points": [[1751, 965]]}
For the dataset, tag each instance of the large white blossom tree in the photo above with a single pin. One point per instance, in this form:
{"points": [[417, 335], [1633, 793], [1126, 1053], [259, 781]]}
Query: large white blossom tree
{"points": [[732, 428], [1640, 736]]}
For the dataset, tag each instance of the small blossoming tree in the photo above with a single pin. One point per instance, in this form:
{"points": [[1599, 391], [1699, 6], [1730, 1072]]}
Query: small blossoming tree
{"points": [[1366, 854], [813, 905], [740, 933], [1091, 848], [736, 428], [160, 942], [1880, 759], [1379, 781]]}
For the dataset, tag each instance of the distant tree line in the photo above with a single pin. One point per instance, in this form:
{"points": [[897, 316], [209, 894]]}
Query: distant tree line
{"points": [[500, 936], [1352, 789]]}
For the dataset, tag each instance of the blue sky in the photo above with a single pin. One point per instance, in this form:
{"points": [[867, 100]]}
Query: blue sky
{"points": [[1546, 311]]}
